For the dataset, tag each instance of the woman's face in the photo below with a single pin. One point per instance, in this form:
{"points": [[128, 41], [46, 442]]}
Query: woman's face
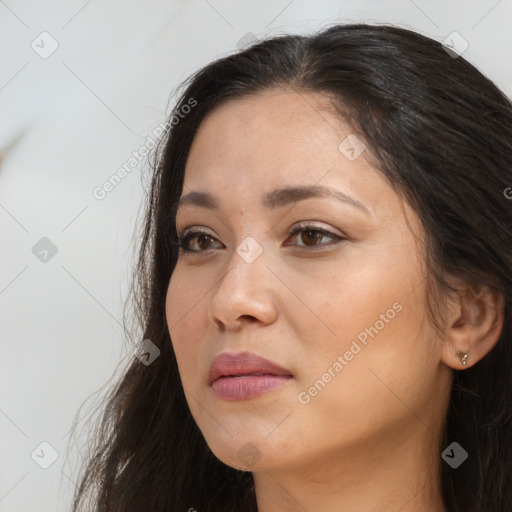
{"points": [[340, 305]]}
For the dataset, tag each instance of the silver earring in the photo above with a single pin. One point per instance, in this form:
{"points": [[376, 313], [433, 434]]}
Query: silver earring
{"points": [[463, 356]]}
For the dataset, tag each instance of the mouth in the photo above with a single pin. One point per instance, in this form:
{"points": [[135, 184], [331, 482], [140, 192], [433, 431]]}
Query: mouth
{"points": [[245, 375]]}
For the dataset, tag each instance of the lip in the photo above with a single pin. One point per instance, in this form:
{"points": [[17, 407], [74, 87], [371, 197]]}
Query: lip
{"points": [[231, 375]]}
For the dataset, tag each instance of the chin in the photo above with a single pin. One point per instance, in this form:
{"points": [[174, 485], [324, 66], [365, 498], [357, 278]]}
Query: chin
{"points": [[244, 452]]}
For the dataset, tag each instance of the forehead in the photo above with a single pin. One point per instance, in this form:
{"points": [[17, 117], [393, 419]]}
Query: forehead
{"points": [[259, 118], [274, 133]]}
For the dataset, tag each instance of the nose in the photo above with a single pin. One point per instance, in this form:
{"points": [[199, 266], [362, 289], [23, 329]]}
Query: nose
{"points": [[244, 294]]}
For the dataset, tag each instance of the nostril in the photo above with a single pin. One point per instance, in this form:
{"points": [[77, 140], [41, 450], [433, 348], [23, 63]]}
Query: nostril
{"points": [[250, 317]]}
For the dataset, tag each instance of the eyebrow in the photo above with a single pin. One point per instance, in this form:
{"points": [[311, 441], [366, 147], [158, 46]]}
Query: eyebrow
{"points": [[277, 198]]}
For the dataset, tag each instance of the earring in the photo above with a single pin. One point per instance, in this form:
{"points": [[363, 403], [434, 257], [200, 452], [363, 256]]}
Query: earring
{"points": [[463, 356]]}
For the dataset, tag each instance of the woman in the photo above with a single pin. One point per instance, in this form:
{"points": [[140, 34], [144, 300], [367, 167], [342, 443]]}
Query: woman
{"points": [[325, 272]]}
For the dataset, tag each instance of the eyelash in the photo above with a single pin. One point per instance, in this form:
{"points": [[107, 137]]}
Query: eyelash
{"points": [[191, 234]]}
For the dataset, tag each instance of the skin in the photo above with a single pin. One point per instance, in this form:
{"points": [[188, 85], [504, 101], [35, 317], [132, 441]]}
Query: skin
{"points": [[370, 439]]}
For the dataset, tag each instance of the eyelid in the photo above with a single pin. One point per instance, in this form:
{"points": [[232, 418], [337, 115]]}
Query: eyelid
{"points": [[311, 224], [300, 224], [195, 229]]}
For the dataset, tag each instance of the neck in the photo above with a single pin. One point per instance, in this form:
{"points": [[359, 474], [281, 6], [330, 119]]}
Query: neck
{"points": [[389, 474]]}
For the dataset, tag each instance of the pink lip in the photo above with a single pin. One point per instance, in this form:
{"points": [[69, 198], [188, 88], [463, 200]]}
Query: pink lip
{"points": [[231, 376]]}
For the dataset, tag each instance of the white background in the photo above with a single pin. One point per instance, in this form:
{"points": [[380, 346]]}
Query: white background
{"points": [[67, 123]]}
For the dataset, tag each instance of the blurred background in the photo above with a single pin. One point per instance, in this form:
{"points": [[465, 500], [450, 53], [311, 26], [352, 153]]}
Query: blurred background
{"points": [[84, 85]]}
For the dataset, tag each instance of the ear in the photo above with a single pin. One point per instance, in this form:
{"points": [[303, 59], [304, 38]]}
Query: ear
{"points": [[474, 324]]}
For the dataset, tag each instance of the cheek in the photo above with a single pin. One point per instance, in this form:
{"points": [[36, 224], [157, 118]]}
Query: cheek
{"points": [[373, 318], [352, 391], [185, 304], [185, 314], [339, 306]]}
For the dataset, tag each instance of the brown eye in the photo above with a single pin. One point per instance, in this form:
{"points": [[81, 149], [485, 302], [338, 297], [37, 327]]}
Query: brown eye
{"points": [[310, 236], [201, 240], [198, 241]]}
